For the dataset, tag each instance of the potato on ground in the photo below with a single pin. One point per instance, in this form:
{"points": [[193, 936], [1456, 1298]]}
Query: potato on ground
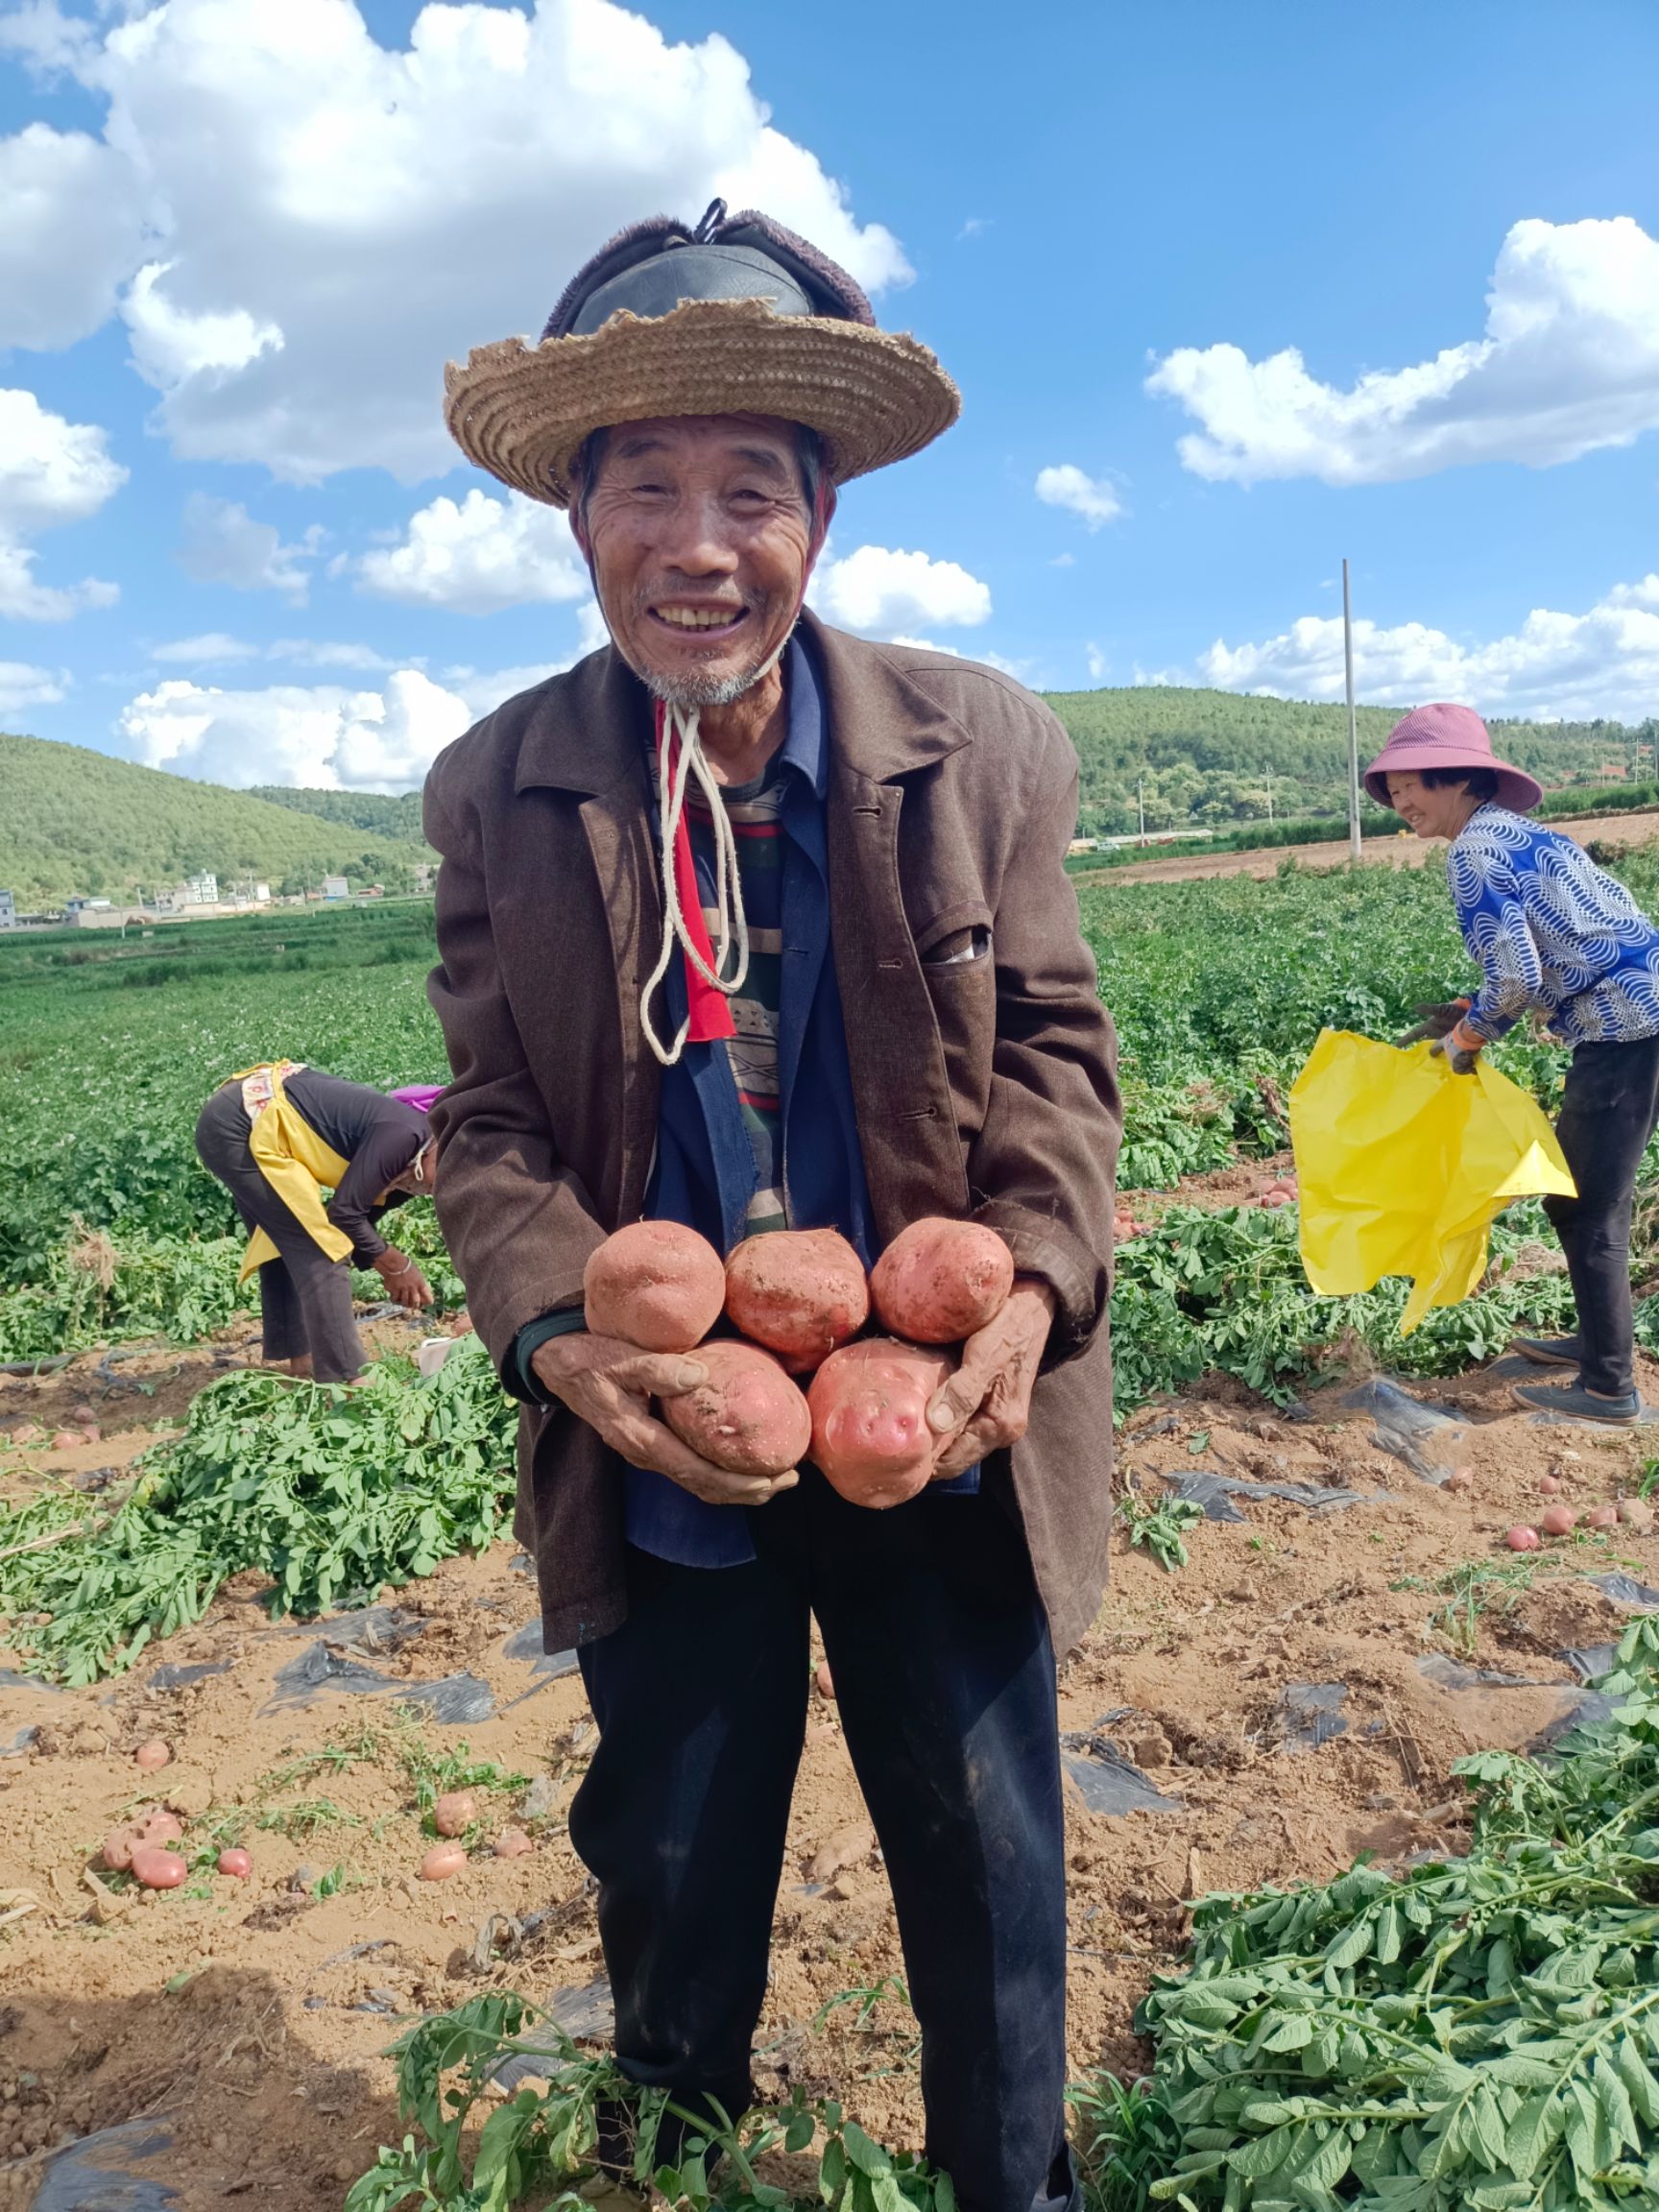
{"points": [[747, 1417], [870, 1435], [800, 1293], [939, 1281], [655, 1284]]}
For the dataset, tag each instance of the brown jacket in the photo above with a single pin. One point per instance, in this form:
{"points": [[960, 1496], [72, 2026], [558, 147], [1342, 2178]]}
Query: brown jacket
{"points": [[983, 1088]]}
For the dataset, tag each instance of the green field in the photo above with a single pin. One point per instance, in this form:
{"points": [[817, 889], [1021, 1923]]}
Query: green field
{"points": [[108, 1051]]}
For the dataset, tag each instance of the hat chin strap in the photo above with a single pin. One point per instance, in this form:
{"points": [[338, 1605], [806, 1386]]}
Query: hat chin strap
{"points": [[680, 756]]}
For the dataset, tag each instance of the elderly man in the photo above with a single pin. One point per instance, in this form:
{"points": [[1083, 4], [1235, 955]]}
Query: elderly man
{"points": [[745, 923]]}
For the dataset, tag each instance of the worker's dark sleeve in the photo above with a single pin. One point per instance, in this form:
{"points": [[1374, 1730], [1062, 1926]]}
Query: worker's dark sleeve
{"points": [[384, 1150]]}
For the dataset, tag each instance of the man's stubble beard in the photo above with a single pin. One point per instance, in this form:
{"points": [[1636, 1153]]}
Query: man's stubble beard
{"points": [[691, 691]]}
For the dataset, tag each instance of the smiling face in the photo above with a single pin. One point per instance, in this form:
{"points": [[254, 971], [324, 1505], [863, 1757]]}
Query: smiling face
{"points": [[1427, 809], [700, 533]]}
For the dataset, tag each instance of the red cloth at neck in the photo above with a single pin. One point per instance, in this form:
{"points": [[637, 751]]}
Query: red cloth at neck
{"points": [[709, 1011]]}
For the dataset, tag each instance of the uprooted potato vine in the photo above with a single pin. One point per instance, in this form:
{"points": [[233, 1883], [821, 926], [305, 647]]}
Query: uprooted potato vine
{"points": [[1479, 2034], [333, 1493]]}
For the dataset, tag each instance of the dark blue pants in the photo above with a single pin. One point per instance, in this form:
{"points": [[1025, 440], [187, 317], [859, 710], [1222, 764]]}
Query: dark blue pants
{"points": [[1608, 1114], [945, 1683]]}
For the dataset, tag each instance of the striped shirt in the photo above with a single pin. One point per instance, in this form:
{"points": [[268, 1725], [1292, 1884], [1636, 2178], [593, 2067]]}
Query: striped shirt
{"points": [[755, 810]]}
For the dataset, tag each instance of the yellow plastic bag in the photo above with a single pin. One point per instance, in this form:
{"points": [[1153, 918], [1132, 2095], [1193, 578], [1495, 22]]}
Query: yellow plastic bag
{"points": [[1402, 1167]]}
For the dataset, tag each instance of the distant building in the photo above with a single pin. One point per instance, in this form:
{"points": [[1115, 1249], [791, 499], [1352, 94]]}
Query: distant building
{"points": [[7, 911], [425, 874], [261, 893], [203, 889], [336, 887]]}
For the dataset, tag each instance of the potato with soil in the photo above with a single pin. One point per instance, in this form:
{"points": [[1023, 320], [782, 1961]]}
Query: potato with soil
{"points": [[655, 1284], [870, 1435], [799, 1293], [939, 1281], [746, 1415]]}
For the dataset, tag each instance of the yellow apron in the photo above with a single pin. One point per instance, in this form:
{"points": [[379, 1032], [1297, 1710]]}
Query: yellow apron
{"points": [[293, 1159]]}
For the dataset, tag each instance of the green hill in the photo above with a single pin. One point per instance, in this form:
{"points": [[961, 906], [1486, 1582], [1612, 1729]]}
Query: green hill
{"points": [[383, 814], [75, 821], [1211, 757]]}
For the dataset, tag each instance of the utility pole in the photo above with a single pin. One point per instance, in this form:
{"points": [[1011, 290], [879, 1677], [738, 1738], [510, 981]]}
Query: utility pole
{"points": [[1352, 722], [1140, 805], [1269, 798]]}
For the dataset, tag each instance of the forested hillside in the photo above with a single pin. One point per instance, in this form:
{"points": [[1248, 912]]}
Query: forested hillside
{"points": [[1213, 757], [75, 821], [382, 813]]}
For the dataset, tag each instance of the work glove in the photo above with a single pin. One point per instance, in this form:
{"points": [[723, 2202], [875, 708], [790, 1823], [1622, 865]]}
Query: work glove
{"points": [[1436, 1017], [1461, 1047]]}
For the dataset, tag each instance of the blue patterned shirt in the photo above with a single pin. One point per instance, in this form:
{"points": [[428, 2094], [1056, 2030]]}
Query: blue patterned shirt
{"points": [[1550, 930]]}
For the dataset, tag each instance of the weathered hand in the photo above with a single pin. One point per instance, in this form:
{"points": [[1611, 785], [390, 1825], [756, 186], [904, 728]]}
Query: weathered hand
{"points": [[404, 1281], [609, 1385], [986, 1402]]}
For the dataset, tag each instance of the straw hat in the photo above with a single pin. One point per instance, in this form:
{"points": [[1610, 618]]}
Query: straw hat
{"points": [[1442, 735], [731, 316]]}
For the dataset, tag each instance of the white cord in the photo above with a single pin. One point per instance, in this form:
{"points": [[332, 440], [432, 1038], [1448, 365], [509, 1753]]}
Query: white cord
{"points": [[733, 926]]}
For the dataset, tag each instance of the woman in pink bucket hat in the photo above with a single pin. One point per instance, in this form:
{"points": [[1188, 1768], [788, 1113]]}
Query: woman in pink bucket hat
{"points": [[1553, 935]]}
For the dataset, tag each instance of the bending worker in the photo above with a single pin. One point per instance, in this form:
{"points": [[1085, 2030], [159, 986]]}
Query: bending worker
{"points": [[1558, 936], [277, 1137], [917, 1030]]}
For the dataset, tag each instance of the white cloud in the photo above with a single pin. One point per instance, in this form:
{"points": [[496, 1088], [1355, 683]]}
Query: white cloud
{"points": [[316, 734], [213, 645], [884, 593], [51, 471], [1099, 667], [1603, 661], [72, 228], [223, 544], [22, 686], [1091, 497], [477, 556], [1570, 362], [328, 219]]}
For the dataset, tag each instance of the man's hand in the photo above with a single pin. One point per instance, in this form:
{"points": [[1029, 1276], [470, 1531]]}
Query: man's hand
{"points": [[403, 1280], [986, 1402], [609, 1385]]}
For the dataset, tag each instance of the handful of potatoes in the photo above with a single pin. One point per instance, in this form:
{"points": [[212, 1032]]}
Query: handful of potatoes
{"points": [[799, 1299]]}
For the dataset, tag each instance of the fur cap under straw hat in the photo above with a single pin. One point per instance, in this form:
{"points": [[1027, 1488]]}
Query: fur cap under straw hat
{"points": [[731, 316]]}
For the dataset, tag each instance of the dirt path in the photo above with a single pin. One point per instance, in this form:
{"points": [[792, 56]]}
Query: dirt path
{"points": [[1395, 852], [251, 2018]]}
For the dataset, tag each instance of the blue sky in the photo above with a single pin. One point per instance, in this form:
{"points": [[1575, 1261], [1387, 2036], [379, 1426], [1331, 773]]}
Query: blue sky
{"points": [[1245, 288]]}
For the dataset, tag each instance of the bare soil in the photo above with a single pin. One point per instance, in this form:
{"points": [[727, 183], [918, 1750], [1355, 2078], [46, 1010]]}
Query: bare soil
{"points": [[1398, 851], [253, 2016]]}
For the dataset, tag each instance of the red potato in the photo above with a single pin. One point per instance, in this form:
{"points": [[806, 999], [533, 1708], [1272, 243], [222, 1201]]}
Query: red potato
{"points": [[152, 1756], [825, 1680], [1601, 1517], [156, 1825], [655, 1284], [66, 1439], [870, 1433], [513, 1844], [1550, 1485], [799, 1293], [237, 1862], [454, 1812], [117, 1851], [939, 1281], [1522, 1539], [1558, 1521], [441, 1861], [158, 1869], [748, 1416]]}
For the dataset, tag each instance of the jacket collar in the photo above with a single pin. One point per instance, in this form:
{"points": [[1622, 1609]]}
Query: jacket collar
{"points": [[587, 732]]}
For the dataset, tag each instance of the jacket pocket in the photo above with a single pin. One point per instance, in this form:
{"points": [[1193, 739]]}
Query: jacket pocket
{"points": [[958, 963]]}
